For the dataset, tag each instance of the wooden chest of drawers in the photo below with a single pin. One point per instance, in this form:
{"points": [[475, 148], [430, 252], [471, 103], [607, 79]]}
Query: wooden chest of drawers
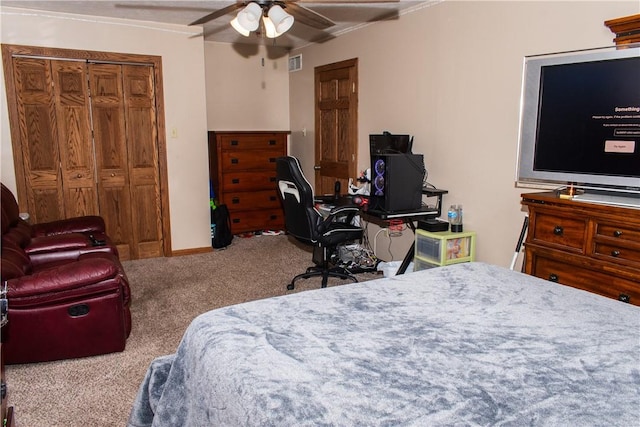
{"points": [[242, 169], [585, 245]]}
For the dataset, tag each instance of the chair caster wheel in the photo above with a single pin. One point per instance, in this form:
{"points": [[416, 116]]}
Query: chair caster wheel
{"points": [[290, 287]]}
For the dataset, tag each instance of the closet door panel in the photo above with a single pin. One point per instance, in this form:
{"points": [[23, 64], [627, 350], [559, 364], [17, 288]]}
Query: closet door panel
{"points": [[39, 139], [74, 136], [109, 133], [115, 209], [142, 136]]}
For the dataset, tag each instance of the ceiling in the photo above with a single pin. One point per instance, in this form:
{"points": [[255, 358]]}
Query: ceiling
{"points": [[346, 15]]}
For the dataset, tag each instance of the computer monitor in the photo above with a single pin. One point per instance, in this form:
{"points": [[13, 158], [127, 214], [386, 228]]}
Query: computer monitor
{"points": [[387, 143]]}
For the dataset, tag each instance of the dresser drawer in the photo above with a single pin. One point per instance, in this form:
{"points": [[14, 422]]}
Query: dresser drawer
{"points": [[246, 200], [577, 276], [247, 181], [618, 232], [242, 221], [617, 253], [253, 142], [559, 231], [249, 160]]}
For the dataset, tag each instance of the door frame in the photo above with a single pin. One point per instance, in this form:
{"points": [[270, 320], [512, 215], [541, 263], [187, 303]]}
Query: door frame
{"points": [[8, 53]]}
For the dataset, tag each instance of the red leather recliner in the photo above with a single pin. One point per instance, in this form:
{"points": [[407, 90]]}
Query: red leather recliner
{"points": [[64, 309], [67, 298]]}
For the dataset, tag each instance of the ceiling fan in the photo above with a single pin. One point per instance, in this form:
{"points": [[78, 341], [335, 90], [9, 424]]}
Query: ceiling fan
{"points": [[275, 17]]}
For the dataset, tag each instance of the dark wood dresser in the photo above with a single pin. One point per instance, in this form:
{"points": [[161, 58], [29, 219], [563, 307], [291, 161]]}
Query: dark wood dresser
{"points": [[242, 169], [589, 246]]}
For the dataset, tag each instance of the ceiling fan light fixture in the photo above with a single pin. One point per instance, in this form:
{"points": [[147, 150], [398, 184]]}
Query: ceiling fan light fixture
{"points": [[269, 28], [281, 20], [239, 28], [248, 18]]}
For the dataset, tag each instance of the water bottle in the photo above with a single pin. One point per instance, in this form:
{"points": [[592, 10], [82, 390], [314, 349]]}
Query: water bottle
{"points": [[455, 218]]}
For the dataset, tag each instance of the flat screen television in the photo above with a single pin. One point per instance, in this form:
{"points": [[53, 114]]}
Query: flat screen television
{"points": [[580, 120]]}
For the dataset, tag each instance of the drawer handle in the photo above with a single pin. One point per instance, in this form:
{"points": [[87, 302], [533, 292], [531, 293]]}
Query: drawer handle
{"points": [[615, 253], [272, 142], [272, 179], [558, 231], [235, 181], [617, 233], [553, 277], [234, 142], [235, 221], [272, 159], [234, 161], [273, 217], [272, 198], [235, 200], [624, 298]]}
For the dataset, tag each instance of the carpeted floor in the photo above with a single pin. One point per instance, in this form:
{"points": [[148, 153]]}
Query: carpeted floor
{"points": [[167, 293]]}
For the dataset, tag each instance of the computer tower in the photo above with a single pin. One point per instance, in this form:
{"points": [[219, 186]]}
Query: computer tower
{"points": [[396, 182]]}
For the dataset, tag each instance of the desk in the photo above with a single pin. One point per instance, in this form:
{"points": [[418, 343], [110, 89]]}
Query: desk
{"points": [[411, 216]]}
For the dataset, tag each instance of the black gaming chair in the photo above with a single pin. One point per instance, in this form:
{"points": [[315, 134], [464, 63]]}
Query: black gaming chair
{"points": [[305, 223]]}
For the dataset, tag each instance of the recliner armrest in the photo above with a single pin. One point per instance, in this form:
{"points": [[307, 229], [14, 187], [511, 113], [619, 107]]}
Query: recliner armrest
{"points": [[85, 224], [52, 282], [57, 243]]}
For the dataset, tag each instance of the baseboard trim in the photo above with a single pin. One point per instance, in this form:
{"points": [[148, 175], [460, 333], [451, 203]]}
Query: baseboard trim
{"points": [[192, 251]]}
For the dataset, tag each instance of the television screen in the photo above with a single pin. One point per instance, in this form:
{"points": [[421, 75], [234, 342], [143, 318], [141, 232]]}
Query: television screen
{"points": [[580, 119]]}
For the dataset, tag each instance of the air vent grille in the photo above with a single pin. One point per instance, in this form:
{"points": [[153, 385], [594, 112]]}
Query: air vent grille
{"points": [[295, 63]]}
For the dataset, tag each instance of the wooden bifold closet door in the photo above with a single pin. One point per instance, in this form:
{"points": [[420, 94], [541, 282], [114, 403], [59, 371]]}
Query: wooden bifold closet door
{"points": [[88, 145]]}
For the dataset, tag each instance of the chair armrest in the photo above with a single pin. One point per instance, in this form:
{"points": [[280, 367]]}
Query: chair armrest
{"points": [[85, 224], [345, 209], [339, 214], [41, 259], [59, 242], [63, 278]]}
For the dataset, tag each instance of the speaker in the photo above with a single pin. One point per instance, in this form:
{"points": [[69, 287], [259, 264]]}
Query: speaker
{"points": [[396, 182]]}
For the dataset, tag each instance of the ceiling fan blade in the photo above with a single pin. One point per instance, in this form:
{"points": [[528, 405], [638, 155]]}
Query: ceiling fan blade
{"points": [[155, 7], [218, 13], [347, 2], [308, 17]]}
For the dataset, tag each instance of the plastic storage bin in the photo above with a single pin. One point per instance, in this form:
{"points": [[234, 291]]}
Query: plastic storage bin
{"points": [[434, 249]]}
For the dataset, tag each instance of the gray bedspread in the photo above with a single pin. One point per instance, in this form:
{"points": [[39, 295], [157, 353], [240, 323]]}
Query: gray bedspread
{"points": [[468, 344]]}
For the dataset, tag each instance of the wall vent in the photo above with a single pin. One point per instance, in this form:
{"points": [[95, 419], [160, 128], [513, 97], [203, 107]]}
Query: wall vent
{"points": [[295, 63]]}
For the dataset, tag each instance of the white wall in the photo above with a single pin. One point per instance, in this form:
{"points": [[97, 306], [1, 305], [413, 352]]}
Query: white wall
{"points": [[247, 87], [450, 74], [181, 49]]}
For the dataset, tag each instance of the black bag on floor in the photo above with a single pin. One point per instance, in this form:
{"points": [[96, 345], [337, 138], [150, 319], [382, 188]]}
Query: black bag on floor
{"points": [[220, 218]]}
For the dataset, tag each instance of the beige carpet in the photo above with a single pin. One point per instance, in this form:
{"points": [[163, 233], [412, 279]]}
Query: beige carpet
{"points": [[167, 293]]}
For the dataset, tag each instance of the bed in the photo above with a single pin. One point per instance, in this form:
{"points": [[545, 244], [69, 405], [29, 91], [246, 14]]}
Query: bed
{"points": [[467, 344]]}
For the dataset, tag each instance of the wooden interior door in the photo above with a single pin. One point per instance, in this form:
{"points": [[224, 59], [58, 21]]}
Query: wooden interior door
{"points": [[142, 137], [336, 125], [77, 162], [109, 134], [125, 135], [39, 149], [87, 132]]}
